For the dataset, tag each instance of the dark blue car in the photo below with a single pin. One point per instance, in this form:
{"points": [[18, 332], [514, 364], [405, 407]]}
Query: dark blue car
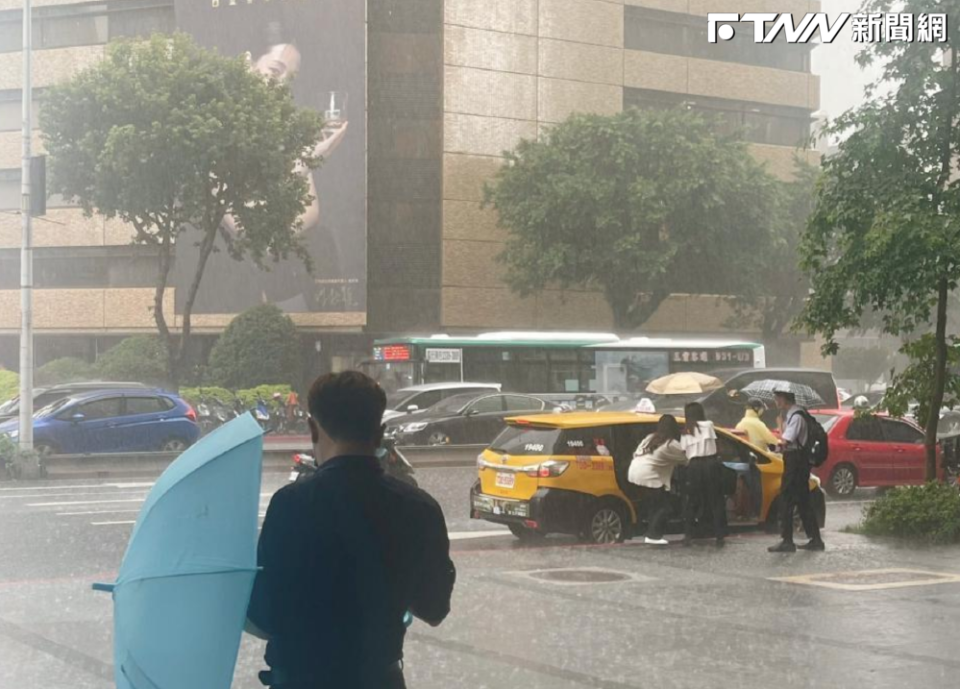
{"points": [[121, 420]]}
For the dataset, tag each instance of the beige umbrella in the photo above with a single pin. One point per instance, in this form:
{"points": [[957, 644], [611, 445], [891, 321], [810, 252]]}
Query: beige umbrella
{"points": [[688, 383]]}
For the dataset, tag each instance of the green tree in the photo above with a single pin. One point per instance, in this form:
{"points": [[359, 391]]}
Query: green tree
{"points": [[640, 205], [139, 359], [67, 369], [774, 295], [259, 347], [174, 139], [885, 232]]}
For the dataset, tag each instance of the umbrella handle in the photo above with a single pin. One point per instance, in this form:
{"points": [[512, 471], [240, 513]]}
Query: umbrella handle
{"points": [[106, 588]]}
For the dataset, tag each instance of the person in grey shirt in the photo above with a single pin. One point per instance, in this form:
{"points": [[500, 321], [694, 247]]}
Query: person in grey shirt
{"points": [[795, 487]]}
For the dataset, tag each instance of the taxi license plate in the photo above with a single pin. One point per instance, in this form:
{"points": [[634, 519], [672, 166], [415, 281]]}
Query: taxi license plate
{"points": [[505, 480]]}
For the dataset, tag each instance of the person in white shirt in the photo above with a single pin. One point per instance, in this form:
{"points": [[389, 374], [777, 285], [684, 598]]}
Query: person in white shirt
{"points": [[703, 490], [795, 484], [652, 469]]}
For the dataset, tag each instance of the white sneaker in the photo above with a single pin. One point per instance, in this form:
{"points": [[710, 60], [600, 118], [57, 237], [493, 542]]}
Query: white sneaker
{"points": [[656, 541]]}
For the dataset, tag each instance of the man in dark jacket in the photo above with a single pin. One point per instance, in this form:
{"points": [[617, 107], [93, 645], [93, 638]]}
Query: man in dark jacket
{"points": [[346, 554]]}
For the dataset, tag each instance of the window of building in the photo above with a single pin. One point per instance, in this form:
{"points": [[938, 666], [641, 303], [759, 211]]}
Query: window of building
{"points": [[93, 267], [92, 23], [759, 123], [675, 33], [10, 193], [11, 110]]}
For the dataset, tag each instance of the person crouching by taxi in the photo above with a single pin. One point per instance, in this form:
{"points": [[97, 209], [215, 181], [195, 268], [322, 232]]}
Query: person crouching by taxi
{"points": [[753, 425], [703, 489], [652, 469]]}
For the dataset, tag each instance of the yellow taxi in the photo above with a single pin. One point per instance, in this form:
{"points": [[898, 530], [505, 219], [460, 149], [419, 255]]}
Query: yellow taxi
{"points": [[567, 473]]}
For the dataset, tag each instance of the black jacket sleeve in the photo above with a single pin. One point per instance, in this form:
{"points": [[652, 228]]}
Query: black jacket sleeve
{"points": [[276, 557], [434, 586]]}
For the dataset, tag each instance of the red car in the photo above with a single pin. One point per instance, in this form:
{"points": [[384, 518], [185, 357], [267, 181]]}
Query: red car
{"points": [[869, 451]]}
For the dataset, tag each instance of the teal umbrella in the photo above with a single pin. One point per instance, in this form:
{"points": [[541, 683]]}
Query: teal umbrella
{"points": [[180, 599]]}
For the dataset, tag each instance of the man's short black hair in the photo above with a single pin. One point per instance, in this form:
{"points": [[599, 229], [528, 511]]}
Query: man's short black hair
{"points": [[787, 395], [348, 406]]}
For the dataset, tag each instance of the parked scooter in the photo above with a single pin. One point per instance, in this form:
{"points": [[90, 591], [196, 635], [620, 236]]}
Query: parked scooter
{"points": [[391, 459], [205, 418], [261, 412]]}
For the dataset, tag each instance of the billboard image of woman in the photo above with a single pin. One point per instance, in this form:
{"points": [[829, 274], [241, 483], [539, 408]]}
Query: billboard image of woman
{"points": [[318, 46]]}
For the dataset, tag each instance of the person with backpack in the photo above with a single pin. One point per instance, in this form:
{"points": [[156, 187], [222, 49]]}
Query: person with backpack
{"points": [[803, 442]]}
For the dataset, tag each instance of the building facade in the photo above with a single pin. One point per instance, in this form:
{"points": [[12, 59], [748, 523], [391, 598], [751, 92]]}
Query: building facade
{"points": [[451, 84]]}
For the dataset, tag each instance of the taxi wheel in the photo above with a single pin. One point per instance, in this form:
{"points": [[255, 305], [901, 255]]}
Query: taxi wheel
{"points": [[605, 524], [843, 481], [526, 535]]}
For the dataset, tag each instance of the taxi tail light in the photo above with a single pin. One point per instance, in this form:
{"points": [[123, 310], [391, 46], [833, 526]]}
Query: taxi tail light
{"points": [[480, 462], [552, 469], [532, 471], [530, 524]]}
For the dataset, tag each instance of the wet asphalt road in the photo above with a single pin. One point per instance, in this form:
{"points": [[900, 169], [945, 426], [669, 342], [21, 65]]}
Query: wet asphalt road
{"points": [[674, 617]]}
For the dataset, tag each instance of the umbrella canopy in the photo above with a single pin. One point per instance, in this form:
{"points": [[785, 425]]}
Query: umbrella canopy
{"points": [[684, 384], [180, 599], [765, 389]]}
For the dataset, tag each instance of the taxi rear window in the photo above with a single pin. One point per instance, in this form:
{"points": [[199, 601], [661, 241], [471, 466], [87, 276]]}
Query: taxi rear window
{"points": [[532, 440], [526, 440]]}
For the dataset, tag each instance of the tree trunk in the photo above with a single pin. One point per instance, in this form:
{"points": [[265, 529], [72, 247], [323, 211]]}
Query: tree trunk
{"points": [[939, 381], [206, 248], [163, 273]]}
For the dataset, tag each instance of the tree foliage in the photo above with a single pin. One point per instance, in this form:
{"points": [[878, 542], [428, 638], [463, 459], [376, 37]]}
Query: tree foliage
{"points": [[639, 205], [885, 232], [248, 397], [172, 138], [139, 359], [915, 382], [67, 369], [259, 347]]}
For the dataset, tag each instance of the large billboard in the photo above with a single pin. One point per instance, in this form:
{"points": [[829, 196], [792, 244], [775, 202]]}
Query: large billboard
{"points": [[320, 45]]}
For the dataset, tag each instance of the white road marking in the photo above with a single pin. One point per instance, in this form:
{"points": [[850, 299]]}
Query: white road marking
{"points": [[47, 487], [86, 486], [83, 514], [81, 502], [34, 496], [111, 523], [470, 535]]}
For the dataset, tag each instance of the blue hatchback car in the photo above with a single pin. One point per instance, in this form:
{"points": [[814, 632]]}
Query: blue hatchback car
{"points": [[121, 420]]}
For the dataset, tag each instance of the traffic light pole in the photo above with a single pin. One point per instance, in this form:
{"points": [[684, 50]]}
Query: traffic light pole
{"points": [[26, 246]]}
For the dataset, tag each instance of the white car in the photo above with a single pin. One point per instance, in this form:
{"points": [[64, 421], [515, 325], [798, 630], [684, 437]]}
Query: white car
{"points": [[419, 397]]}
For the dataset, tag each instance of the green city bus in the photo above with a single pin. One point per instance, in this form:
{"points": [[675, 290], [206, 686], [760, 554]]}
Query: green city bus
{"points": [[539, 362]]}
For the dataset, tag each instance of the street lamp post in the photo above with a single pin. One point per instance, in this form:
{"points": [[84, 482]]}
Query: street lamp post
{"points": [[26, 246]]}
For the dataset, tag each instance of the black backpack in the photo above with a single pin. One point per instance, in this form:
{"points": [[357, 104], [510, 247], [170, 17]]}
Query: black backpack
{"points": [[817, 448]]}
